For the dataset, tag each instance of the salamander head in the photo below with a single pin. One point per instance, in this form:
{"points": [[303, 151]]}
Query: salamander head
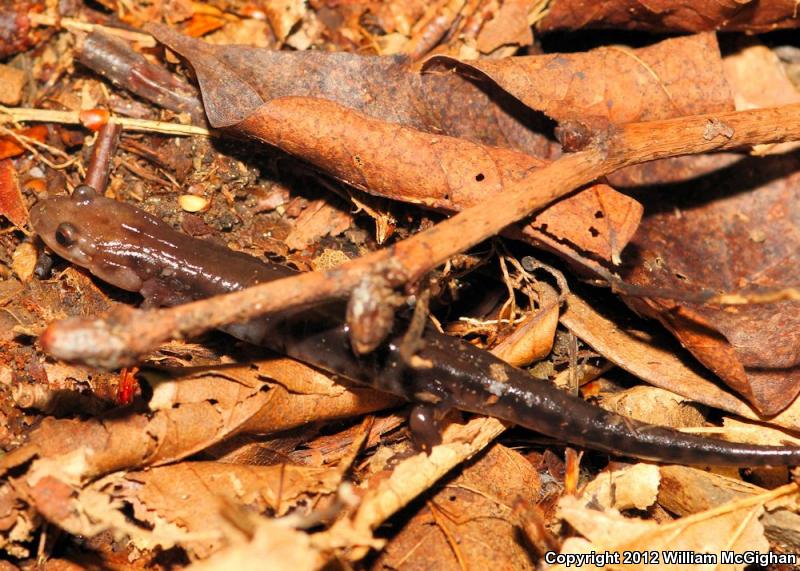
{"points": [[90, 231]]}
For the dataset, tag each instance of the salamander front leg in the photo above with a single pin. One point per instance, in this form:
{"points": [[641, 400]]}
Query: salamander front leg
{"points": [[425, 425], [157, 293]]}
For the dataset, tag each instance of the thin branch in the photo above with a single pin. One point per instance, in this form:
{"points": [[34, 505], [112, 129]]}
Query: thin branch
{"points": [[100, 164], [126, 334], [24, 114], [73, 25]]}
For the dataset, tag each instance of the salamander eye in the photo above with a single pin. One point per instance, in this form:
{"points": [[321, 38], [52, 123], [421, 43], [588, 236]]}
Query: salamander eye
{"points": [[66, 234], [83, 193]]}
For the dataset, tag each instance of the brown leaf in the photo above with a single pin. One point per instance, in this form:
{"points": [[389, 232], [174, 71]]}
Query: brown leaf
{"points": [[236, 80], [23, 261], [685, 491], [12, 205], [451, 533], [438, 172], [190, 415], [651, 357], [283, 15], [758, 79], [430, 169], [191, 494], [735, 526], [654, 406], [283, 548], [680, 76], [667, 16], [730, 232], [444, 173], [627, 488], [325, 449], [750, 432], [599, 220], [12, 83], [386, 493], [509, 26], [533, 338], [318, 219]]}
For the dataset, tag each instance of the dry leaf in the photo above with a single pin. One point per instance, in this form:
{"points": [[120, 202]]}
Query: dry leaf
{"points": [[680, 76], [451, 531], [533, 338], [685, 491], [733, 527], [191, 494], [12, 205], [758, 79], [318, 219], [654, 406], [653, 358], [737, 231], [667, 16], [630, 487], [191, 415], [420, 165]]}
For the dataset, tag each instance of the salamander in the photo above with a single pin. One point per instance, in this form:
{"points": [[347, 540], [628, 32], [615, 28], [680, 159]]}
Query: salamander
{"points": [[135, 251]]}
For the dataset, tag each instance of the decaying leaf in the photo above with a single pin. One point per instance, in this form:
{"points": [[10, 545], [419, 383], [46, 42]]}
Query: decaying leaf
{"points": [[649, 356], [686, 491], [437, 171], [12, 205], [733, 527], [317, 220], [654, 406], [737, 234], [616, 84], [268, 544], [631, 487], [192, 495], [663, 15], [533, 338], [510, 25], [190, 415], [456, 521], [758, 79]]}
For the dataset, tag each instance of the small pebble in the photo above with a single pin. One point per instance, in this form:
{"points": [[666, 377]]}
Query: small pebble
{"points": [[193, 203]]}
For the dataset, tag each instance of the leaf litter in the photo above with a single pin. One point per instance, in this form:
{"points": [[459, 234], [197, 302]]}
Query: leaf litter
{"points": [[405, 113]]}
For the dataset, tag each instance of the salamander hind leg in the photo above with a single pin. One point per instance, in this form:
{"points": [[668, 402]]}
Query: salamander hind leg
{"points": [[425, 426]]}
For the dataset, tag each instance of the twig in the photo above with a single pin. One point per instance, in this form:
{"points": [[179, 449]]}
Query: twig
{"points": [[126, 334], [30, 144], [24, 114], [118, 62], [99, 168], [71, 24]]}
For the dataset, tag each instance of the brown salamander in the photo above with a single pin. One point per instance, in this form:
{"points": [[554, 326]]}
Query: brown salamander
{"points": [[135, 251]]}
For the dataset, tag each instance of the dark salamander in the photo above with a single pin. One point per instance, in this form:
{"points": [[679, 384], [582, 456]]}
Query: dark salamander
{"points": [[132, 250]]}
